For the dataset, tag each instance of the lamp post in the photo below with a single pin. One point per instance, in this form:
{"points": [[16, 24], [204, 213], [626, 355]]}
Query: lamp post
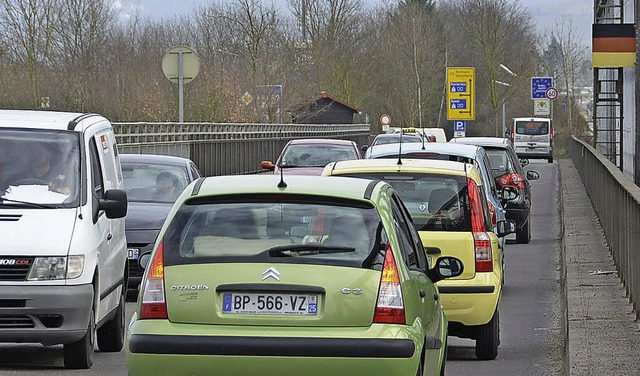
{"points": [[504, 101]]}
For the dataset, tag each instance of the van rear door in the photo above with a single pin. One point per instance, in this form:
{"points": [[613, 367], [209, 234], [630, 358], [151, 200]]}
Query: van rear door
{"points": [[532, 136]]}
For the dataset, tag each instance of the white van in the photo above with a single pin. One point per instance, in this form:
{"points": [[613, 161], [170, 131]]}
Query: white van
{"points": [[533, 138], [63, 271], [433, 134]]}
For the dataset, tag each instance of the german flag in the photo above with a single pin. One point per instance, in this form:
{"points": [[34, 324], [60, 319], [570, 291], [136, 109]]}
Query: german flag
{"points": [[614, 45]]}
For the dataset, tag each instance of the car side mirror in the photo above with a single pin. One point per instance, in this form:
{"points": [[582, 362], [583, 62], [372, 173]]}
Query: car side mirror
{"points": [[506, 227], [267, 165], [533, 175], [509, 193], [524, 162], [114, 203], [445, 267], [144, 259], [364, 147]]}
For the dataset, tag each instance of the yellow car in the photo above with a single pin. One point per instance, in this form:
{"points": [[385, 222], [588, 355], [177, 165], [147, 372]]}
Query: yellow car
{"points": [[449, 209]]}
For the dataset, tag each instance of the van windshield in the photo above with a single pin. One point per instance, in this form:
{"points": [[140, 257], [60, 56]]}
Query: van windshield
{"points": [[39, 167], [532, 127]]}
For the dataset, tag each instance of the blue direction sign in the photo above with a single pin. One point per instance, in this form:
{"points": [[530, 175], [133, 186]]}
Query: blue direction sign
{"points": [[539, 86], [458, 104], [458, 87], [459, 126]]}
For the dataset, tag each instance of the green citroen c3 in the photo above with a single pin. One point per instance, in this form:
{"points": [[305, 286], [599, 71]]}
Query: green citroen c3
{"points": [[255, 275]]}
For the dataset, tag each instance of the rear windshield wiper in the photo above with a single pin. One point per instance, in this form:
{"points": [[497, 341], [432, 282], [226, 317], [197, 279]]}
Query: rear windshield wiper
{"points": [[32, 204], [306, 249]]}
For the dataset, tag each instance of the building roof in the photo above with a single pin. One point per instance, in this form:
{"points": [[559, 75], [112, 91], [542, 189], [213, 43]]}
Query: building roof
{"points": [[323, 95]]}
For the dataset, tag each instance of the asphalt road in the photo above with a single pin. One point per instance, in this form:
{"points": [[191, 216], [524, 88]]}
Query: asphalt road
{"points": [[531, 333], [532, 340]]}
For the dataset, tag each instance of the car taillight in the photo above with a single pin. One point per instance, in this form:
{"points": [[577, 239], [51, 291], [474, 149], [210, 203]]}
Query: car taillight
{"points": [[512, 180], [494, 218], [481, 240], [551, 134], [153, 304], [390, 306]]}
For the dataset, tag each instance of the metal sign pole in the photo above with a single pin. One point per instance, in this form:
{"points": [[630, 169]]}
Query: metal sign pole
{"points": [[180, 87]]}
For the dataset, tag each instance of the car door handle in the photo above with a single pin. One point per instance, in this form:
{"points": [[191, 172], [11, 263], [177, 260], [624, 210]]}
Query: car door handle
{"points": [[422, 294]]}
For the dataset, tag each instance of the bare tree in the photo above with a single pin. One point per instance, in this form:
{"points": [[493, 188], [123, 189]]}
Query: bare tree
{"points": [[30, 25]]}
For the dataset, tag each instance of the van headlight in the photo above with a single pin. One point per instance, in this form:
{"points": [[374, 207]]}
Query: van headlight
{"points": [[50, 268]]}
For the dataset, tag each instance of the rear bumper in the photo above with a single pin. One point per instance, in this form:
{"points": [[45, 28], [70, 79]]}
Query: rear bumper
{"points": [[520, 216], [539, 155], [159, 347], [470, 302]]}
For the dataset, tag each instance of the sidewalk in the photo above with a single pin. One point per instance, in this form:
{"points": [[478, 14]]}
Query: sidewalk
{"points": [[603, 338]]}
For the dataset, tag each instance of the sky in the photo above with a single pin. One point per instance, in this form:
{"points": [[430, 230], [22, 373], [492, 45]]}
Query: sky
{"points": [[546, 13]]}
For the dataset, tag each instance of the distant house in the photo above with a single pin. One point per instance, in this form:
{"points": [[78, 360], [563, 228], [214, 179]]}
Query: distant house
{"points": [[323, 110]]}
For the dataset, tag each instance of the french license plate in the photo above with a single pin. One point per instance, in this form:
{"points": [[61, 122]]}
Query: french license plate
{"points": [[133, 253], [270, 304]]}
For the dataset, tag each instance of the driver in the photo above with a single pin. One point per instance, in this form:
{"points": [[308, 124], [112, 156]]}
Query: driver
{"points": [[39, 171]]}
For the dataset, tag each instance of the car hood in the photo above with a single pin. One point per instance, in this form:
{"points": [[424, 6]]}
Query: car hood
{"points": [[146, 216], [52, 228]]}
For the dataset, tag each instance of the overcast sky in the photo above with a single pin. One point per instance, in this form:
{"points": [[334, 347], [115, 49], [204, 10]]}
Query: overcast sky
{"points": [[546, 13]]}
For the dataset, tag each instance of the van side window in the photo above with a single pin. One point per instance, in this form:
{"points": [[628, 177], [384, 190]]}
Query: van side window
{"points": [[97, 184]]}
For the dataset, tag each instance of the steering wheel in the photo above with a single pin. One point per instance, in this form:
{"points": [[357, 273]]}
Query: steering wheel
{"points": [[30, 181]]}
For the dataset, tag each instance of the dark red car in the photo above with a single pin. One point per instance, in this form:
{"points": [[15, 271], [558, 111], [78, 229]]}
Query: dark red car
{"points": [[309, 156]]}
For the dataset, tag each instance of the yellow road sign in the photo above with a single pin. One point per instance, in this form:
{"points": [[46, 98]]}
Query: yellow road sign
{"points": [[461, 91]]}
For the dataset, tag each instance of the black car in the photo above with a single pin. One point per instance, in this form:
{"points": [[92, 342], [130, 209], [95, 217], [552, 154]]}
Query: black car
{"points": [[507, 171], [152, 183]]}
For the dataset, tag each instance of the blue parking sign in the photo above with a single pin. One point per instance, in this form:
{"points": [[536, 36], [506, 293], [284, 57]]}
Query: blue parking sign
{"points": [[459, 126]]}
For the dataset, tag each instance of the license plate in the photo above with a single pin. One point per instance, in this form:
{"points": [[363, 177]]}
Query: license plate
{"points": [[133, 253], [270, 304]]}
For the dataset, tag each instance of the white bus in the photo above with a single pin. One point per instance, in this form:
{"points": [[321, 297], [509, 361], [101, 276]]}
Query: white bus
{"points": [[533, 138]]}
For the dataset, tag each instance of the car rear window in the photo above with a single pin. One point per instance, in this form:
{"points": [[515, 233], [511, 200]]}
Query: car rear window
{"points": [[436, 202], [274, 228], [532, 127], [500, 161], [316, 155]]}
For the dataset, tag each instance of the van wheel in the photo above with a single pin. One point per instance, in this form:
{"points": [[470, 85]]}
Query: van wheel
{"points": [[523, 235], [550, 159], [111, 334], [488, 339], [79, 354]]}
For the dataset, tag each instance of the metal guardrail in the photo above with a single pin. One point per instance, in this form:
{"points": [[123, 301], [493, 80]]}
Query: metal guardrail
{"points": [[616, 201], [226, 149]]}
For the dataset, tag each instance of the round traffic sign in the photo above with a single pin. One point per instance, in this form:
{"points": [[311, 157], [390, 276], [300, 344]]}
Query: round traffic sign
{"points": [[171, 64], [551, 93], [385, 119]]}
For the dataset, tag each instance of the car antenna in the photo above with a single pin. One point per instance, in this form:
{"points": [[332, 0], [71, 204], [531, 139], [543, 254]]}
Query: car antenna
{"points": [[400, 148], [281, 183]]}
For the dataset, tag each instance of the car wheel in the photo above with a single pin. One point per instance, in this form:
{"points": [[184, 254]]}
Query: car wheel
{"points": [[111, 334], [550, 159], [79, 354], [444, 357], [488, 339], [523, 235]]}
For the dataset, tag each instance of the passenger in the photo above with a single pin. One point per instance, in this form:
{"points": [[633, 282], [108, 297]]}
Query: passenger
{"points": [[39, 171]]}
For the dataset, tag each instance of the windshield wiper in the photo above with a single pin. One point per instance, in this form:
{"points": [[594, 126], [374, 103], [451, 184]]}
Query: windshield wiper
{"points": [[306, 249], [32, 204]]}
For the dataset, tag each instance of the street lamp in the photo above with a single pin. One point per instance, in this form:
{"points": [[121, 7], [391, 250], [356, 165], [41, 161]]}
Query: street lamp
{"points": [[504, 101]]}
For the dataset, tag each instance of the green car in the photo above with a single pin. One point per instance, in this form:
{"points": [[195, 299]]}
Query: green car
{"points": [[253, 275]]}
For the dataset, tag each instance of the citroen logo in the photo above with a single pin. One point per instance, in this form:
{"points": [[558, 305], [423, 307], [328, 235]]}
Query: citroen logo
{"points": [[271, 273]]}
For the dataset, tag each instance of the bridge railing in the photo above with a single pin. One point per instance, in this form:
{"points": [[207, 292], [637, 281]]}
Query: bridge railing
{"points": [[616, 201], [226, 149]]}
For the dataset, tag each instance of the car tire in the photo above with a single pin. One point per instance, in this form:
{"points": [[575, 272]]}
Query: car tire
{"points": [[111, 334], [523, 235], [444, 357], [488, 339], [79, 354]]}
